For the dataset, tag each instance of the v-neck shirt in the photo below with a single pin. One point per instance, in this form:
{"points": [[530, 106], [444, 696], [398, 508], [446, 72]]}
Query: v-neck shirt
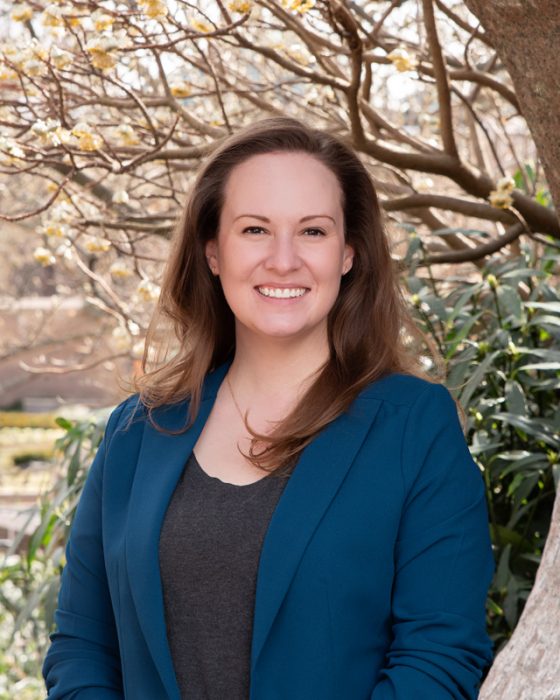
{"points": [[209, 551]]}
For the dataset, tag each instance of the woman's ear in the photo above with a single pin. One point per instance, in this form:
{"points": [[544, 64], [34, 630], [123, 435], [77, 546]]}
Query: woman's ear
{"points": [[348, 259], [211, 251]]}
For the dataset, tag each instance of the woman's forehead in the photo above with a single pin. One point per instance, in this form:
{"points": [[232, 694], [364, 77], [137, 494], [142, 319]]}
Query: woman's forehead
{"points": [[289, 186]]}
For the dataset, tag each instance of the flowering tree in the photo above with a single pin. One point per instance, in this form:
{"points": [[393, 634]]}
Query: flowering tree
{"points": [[108, 108]]}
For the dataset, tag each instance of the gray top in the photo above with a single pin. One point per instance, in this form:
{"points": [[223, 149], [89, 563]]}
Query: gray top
{"points": [[209, 551]]}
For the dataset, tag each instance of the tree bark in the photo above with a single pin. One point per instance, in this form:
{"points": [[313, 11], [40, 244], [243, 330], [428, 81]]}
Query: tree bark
{"points": [[526, 36]]}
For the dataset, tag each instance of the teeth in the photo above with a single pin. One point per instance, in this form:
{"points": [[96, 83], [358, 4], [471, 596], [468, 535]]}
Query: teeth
{"points": [[281, 293]]}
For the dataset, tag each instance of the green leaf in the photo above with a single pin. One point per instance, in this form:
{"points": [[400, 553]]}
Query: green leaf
{"points": [[518, 179], [544, 320], [503, 574], [63, 423], [456, 338], [515, 398], [510, 303], [541, 365], [542, 196], [535, 427], [476, 378], [530, 172], [553, 306]]}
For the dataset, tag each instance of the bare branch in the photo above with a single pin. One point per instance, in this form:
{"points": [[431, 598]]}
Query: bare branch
{"points": [[478, 253], [444, 95]]}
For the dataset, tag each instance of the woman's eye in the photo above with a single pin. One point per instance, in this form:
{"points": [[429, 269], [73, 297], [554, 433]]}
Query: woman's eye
{"points": [[315, 232], [252, 229]]}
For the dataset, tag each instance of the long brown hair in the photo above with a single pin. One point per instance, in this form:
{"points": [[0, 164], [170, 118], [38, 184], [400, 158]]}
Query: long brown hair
{"points": [[370, 330]]}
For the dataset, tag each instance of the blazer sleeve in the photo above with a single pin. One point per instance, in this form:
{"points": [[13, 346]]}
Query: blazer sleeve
{"points": [[83, 660], [443, 562]]}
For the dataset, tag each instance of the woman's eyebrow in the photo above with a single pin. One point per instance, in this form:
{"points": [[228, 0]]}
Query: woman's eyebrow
{"points": [[305, 218]]}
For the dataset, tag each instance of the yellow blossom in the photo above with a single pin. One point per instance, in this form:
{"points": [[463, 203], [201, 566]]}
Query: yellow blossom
{"points": [[500, 199], [87, 141], [296, 52], [21, 13], [402, 60], [7, 73], [155, 9], [61, 59], [10, 152], [424, 184], [102, 59], [180, 89], [301, 6], [241, 6], [44, 256], [38, 50], [54, 229], [62, 212], [64, 250], [120, 270], [60, 136], [42, 128], [59, 16], [93, 244], [100, 48], [147, 290], [126, 135], [34, 68], [505, 184], [102, 21], [201, 26], [120, 197]]}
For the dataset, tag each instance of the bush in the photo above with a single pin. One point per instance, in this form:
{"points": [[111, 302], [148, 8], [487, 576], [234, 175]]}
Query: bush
{"points": [[30, 581], [498, 336]]}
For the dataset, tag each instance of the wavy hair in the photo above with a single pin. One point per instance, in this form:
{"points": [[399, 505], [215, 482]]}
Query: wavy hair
{"points": [[370, 330]]}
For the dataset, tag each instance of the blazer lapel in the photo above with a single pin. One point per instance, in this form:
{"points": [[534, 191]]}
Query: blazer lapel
{"points": [[312, 486], [160, 463]]}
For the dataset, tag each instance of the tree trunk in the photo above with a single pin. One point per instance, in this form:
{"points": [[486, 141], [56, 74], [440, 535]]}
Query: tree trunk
{"points": [[528, 667], [526, 36]]}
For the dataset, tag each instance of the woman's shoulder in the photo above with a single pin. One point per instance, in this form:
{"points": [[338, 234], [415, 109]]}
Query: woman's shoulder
{"points": [[128, 412], [405, 389]]}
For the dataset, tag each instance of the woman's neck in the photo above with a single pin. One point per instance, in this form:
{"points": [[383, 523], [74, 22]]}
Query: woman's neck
{"points": [[271, 370]]}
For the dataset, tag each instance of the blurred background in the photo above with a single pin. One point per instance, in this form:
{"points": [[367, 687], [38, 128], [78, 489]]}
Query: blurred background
{"points": [[108, 108]]}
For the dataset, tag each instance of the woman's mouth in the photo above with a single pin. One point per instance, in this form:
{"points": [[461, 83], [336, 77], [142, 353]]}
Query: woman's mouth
{"points": [[282, 292]]}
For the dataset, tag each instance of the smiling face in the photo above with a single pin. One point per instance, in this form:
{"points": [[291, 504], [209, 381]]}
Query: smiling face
{"points": [[280, 250]]}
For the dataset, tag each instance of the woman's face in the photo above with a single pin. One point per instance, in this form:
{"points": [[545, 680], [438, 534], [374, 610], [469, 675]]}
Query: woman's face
{"points": [[280, 250]]}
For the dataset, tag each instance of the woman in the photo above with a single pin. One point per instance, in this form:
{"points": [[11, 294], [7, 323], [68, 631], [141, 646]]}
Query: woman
{"points": [[287, 509]]}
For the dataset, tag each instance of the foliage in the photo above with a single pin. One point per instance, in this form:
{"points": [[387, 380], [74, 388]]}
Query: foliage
{"points": [[500, 336], [30, 575]]}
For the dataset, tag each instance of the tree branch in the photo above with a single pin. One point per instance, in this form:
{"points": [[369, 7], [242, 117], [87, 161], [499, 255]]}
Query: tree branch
{"points": [[442, 84]]}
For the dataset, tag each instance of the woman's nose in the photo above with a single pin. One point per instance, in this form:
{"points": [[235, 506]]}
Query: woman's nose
{"points": [[283, 254]]}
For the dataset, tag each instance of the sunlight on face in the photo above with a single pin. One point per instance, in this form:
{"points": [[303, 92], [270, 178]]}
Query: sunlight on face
{"points": [[280, 250]]}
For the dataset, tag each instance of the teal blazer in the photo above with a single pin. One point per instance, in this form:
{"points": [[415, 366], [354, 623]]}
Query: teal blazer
{"points": [[372, 579]]}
